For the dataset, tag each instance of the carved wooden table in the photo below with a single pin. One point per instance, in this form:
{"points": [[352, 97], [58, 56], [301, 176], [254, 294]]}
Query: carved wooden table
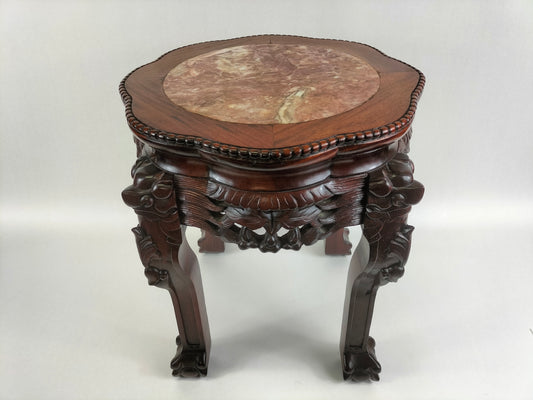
{"points": [[273, 142]]}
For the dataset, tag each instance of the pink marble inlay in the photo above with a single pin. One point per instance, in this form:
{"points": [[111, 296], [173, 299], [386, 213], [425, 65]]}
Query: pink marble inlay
{"points": [[271, 83]]}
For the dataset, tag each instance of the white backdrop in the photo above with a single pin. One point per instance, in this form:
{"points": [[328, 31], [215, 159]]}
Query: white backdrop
{"points": [[77, 319]]}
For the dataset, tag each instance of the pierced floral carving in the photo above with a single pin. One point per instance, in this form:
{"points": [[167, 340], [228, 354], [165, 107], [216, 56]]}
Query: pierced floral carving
{"points": [[303, 227], [271, 221], [188, 363]]}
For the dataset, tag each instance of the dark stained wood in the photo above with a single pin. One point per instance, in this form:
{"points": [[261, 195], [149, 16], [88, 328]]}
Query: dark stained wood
{"points": [[170, 263], [273, 187], [379, 259], [338, 243], [210, 243]]}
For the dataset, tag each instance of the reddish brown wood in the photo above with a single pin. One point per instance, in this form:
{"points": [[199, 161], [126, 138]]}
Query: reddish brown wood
{"points": [[379, 259], [338, 244], [170, 263], [210, 243], [273, 187]]}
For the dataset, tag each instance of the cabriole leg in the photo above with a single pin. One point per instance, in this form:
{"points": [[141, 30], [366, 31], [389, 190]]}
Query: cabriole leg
{"points": [[379, 258], [170, 263]]}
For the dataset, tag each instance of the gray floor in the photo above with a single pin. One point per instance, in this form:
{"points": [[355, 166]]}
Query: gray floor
{"points": [[79, 325]]}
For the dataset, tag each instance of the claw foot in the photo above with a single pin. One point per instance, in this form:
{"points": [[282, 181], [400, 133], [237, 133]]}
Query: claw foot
{"points": [[360, 366], [188, 363]]}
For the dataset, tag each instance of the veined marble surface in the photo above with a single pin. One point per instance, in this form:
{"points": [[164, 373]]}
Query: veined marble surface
{"points": [[271, 83]]}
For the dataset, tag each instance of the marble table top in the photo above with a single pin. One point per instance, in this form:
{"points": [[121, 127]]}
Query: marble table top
{"points": [[271, 83], [265, 98]]}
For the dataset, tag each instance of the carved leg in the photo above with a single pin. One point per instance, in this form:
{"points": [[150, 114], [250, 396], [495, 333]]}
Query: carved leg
{"points": [[170, 263], [379, 258], [338, 243], [210, 243]]}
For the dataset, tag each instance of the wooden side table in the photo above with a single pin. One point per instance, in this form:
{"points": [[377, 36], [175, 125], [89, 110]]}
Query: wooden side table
{"points": [[273, 142]]}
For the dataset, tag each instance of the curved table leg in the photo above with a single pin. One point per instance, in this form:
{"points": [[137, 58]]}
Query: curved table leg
{"points": [[379, 258], [170, 263]]}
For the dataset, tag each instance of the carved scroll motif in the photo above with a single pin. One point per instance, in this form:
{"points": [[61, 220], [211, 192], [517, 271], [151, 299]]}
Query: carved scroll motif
{"points": [[383, 253], [271, 221], [169, 262], [153, 198], [392, 192]]}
